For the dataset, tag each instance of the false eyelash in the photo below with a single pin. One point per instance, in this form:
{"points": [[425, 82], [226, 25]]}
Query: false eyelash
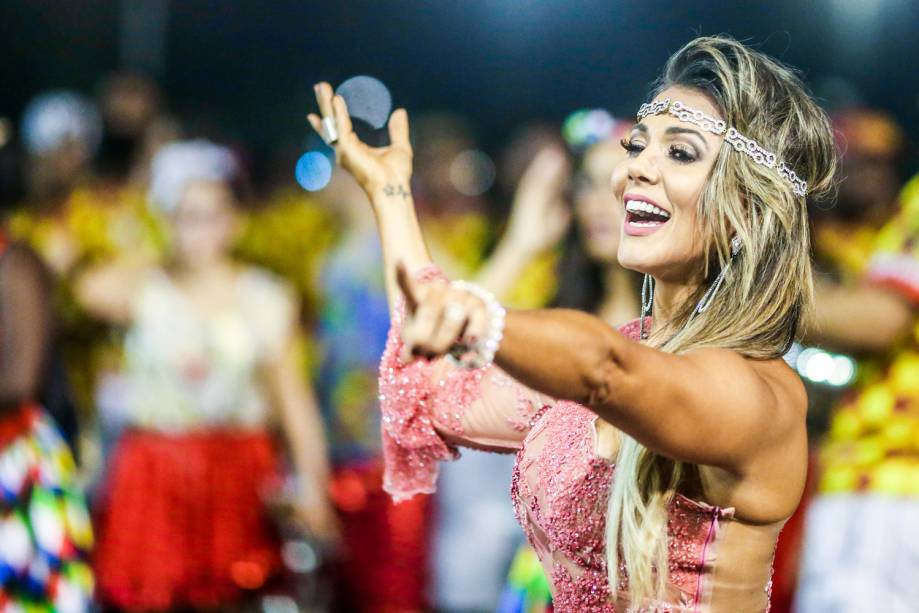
{"points": [[688, 156], [628, 146]]}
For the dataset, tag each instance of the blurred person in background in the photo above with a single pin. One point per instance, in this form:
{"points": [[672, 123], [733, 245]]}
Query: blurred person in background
{"points": [[859, 549], [517, 155], [590, 279], [384, 561], [290, 231], [45, 533], [473, 542], [135, 126], [60, 132], [73, 220], [451, 191], [211, 366], [721, 412], [476, 533], [870, 144]]}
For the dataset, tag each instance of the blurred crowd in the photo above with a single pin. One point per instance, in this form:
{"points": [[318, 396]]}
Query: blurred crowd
{"points": [[189, 363]]}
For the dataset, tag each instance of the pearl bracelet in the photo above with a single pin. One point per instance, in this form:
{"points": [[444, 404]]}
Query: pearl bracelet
{"points": [[480, 352]]}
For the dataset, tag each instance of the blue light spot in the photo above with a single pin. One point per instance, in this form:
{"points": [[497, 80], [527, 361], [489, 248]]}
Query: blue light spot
{"points": [[314, 171]]}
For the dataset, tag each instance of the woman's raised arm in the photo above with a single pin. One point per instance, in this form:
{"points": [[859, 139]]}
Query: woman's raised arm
{"points": [[385, 174], [428, 406]]}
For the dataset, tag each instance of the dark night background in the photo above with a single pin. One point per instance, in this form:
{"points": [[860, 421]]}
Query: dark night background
{"points": [[247, 66]]}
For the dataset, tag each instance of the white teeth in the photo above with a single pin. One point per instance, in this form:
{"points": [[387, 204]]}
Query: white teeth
{"points": [[636, 206]]}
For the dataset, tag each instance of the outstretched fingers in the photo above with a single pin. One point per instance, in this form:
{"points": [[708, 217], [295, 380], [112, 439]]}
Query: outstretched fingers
{"points": [[342, 116], [346, 144], [315, 122], [398, 129], [324, 98], [409, 290]]}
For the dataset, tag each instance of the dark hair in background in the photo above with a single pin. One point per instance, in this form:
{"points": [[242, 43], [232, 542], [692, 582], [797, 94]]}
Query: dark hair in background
{"points": [[11, 178], [580, 278]]}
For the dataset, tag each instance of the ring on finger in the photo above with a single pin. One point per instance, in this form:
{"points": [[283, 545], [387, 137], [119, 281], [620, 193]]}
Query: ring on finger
{"points": [[329, 130], [454, 311]]}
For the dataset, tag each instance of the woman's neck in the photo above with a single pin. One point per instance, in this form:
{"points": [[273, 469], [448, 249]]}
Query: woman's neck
{"points": [[211, 271], [668, 298]]}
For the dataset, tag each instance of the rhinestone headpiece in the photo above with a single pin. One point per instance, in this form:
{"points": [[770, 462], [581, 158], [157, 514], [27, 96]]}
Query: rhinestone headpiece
{"points": [[731, 136]]}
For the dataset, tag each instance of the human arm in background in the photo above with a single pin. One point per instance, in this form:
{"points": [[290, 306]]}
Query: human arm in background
{"points": [[25, 326], [107, 291], [538, 220], [305, 435], [866, 318]]}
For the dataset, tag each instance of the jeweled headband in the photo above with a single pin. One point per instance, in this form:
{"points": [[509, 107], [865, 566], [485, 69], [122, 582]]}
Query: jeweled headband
{"points": [[731, 136]]}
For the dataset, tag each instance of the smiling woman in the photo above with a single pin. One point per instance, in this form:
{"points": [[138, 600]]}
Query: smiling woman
{"points": [[654, 471], [211, 362]]}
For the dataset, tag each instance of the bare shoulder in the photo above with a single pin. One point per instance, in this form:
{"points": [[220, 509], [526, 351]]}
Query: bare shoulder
{"points": [[785, 384], [773, 382], [769, 486]]}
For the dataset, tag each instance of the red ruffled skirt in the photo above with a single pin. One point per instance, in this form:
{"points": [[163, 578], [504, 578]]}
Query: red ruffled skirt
{"points": [[385, 561], [182, 522]]}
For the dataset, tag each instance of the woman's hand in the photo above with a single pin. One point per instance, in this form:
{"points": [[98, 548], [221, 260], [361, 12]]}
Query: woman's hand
{"points": [[438, 317], [540, 216], [375, 168]]}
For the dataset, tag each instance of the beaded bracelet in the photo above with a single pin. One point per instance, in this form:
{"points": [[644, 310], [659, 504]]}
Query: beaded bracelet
{"points": [[477, 353]]}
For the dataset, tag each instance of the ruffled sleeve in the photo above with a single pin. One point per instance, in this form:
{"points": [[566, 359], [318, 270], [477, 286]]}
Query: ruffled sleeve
{"points": [[431, 407]]}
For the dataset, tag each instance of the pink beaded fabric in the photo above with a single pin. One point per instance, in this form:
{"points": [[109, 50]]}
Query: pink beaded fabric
{"points": [[560, 484]]}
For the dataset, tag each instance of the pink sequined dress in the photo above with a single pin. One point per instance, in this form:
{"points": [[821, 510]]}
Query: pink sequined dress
{"points": [[718, 564]]}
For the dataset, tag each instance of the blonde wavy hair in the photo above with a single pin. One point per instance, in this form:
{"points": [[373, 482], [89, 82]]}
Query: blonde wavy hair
{"points": [[767, 291]]}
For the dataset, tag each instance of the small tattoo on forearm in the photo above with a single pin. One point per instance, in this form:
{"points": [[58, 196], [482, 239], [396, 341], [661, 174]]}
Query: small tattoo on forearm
{"points": [[397, 190]]}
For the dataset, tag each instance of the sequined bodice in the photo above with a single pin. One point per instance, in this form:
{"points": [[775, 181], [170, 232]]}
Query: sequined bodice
{"points": [[560, 490], [560, 486]]}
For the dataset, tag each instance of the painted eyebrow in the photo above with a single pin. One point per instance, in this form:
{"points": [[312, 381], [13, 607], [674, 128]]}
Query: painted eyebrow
{"points": [[640, 127], [679, 130]]}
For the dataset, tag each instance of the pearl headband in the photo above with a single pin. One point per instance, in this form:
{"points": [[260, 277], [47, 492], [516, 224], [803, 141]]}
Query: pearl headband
{"points": [[731, 136]]}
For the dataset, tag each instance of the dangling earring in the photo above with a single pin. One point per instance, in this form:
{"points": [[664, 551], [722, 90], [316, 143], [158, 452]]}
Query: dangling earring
{"points": [[647, 301], [709, 295]]}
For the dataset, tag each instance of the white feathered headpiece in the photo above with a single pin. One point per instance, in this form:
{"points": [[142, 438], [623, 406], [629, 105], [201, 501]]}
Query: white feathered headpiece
{"points": [[178, 164]]}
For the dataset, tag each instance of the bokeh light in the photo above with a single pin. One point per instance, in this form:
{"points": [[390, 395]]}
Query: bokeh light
{"points": [[585, 127], [368, 99], [279, 603], [472, 172], [313, 171], [819, 366], [299, 556]]}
